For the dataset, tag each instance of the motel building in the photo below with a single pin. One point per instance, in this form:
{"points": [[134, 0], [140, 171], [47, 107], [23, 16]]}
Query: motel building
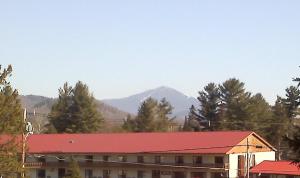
{"points": [[147, 155]]}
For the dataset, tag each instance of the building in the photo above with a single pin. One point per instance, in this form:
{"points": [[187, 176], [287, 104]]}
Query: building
{"points": [[148, 155], [275, 169]]}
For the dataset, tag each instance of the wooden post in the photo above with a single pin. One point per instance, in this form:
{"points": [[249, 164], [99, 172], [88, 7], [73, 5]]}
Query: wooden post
{"points": [[248, 167]]}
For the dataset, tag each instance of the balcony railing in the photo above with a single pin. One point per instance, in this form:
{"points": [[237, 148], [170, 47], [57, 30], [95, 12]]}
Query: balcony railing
{"points": [[127, 164]]}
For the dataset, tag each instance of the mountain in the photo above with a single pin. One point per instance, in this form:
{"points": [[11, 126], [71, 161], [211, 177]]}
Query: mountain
{"points": [[178, 100], [42, 105]]}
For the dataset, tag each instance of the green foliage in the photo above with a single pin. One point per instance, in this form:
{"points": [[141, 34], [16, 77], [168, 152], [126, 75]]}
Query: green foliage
{"points": [[152, 116], [229, 107], [278, 126], [74, 170], [75, 111], [292, 103], [192, 122], [11, 116]]}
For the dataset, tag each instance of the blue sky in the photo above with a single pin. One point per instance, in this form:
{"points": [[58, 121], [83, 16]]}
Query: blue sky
{"points": [[122, 47]]}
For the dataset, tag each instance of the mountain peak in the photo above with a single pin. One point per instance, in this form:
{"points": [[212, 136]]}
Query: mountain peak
{"points": [[178, 100]]}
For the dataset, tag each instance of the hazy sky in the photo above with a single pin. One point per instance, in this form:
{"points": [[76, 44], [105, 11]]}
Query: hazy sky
{"points": [[122, 47]]}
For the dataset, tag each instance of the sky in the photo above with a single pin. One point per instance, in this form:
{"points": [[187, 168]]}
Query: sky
{"points": [[119, 48]]}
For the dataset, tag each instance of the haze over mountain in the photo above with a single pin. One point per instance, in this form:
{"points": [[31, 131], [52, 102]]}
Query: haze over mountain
{"points": [[178, 100], [42, 105]]}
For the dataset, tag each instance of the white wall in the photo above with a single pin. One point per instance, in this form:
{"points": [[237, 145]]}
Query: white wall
{"points": [[259, 157]]}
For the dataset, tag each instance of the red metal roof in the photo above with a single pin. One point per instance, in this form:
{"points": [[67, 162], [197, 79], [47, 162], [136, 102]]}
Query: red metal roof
{"points": [[276, 167], [174, 142]]}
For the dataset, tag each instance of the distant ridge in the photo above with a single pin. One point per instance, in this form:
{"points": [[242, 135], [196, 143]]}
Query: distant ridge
{"points": [[178, 100], [42, 106]]}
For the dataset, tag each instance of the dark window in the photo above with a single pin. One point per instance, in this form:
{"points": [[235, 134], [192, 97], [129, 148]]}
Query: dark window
{"points": [[140, 159], [41, 173], [219, 160], [89, 158], [179, 160], [198, 160], [140, 174], [88, 173], [157, 159], [217, 175], [61, 159], [122, 174], [123, 158], [105, 158], [178, 175], [106, 173], [61, 172], [41, 159], [155, 173]]}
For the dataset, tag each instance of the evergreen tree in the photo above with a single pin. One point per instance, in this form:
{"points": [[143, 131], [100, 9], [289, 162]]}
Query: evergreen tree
{"points": [[209, 106], [75, 111], [152, 116], [292, 101], [74, 170], [192, 122], [276, 129], [11, 123], [235, 105], [260, 114]]}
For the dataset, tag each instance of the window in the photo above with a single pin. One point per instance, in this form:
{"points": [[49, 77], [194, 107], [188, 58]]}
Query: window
{"points": [[122, 174], [197, 160], [106, 173], [105, 158], [41, 173], [155, 173], [89, 158], [140, 159], [217, 175], [157, 159], [61, 172], [122, 158], [88, 173], [219, 160], [179, 160], [140, 174], [61, 159], [41, 159]]}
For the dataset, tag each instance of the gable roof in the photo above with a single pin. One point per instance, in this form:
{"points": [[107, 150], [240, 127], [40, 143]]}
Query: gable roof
{"points": [[276, 167], [171, 142]]}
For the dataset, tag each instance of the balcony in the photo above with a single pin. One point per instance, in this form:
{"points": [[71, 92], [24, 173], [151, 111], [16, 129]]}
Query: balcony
{"points": [[127, 164]]}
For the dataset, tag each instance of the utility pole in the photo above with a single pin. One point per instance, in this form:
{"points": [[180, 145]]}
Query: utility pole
{"points": [[248, 167], [27, 129], [23, 144]]}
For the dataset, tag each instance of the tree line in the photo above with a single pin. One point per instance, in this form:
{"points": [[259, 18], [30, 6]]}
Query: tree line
{"points": [[225, 106]]}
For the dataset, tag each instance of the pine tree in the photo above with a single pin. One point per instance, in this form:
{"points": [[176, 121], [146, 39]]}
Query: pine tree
{"points": [[260, 114], [75, 111], [292, 101], [276, 129], [209, 100], [74, 170], [11, 116], [152, 116], [192, 121], [235, 105]]}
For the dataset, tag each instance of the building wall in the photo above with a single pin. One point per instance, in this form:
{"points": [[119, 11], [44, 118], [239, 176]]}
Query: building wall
{"points": [[259, 157], [131, 172]]}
